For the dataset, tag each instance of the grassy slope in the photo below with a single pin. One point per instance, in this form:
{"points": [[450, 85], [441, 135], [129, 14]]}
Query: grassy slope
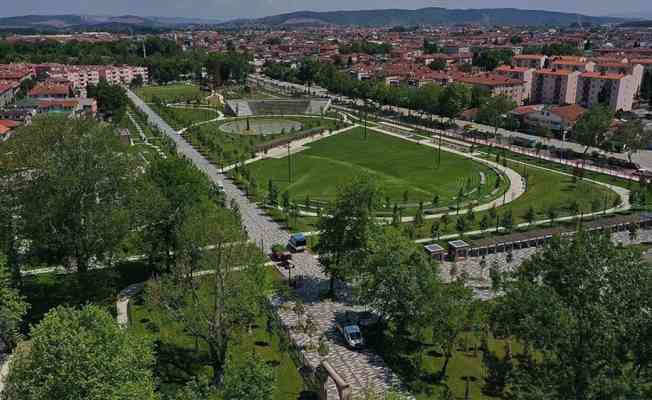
{"points": [[170, 93], [398, 165], [178, 361]]}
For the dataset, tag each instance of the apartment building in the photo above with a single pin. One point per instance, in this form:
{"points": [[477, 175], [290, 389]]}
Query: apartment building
{"points": [[633, 69], [554, 86], [50, 90], [580, 64], [497, 85], [615, 90], [534, 61], [520, 73]]}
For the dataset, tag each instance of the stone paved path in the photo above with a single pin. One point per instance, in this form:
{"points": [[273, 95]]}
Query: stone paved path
{"points": [[361, 369]]}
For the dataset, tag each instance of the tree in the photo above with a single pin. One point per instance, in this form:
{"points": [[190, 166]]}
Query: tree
{"points": [[111, 99], [235, 283], [81, 354], [460, 225], [394, 278], [435, 230], [634, 136], [13, 308], [179, 188], [493, 110], [80, 198], [347, 227], [449, 317], [438, 65], [530, 215], [254, 379], [484, 222], [551, 212], [507, 221], [591, 129], [418, 217], [581, 306], [453, 100]]}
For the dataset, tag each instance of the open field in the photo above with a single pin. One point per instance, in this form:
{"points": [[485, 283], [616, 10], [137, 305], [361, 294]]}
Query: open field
{"points": [[175, 93], [225, 148], [398, 165], [178, 360], [546, 190]]}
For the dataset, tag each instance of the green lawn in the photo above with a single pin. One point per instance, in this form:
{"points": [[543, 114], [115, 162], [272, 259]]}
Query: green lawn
{"points": [[179, 118], [546, 189], [399, 165], [225, 149], [401, 354], [171, 93], [178, 359]]}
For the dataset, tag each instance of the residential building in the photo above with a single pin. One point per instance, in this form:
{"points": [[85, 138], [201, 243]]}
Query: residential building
{"points": [[7, 93], [635, 70], [520, 73], [497, 85], [535, 61], [50, 90], [573, 64], [555, 118], [554, 86], [615, 90]]}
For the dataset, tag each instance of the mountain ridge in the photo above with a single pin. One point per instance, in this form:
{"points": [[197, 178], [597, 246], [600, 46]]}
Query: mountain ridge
{"points": [[426, 16]]}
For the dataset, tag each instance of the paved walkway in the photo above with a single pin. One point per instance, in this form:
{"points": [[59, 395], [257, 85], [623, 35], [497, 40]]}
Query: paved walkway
{"points": [[360, 368]]}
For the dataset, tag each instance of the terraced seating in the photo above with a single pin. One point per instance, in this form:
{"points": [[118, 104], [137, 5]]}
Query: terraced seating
{"points": [[246, 108]]}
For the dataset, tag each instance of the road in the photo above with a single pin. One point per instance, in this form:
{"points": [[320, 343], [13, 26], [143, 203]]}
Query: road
{"points": [[361, 369]]}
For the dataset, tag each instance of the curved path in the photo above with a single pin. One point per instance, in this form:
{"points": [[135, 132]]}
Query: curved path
{"points": [[361, 369]]}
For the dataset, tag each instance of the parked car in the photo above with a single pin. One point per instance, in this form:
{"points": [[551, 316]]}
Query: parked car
{"points": [[351, 334], [297, 243]]}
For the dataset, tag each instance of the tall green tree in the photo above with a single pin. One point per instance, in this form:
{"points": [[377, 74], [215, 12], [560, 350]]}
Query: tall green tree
{"points": [[81, 354], [111, 99], [591, 129], [581, 307], [13, 308], [253, 379], [347, 226], [235, 284], [634, 135], [396, 278], [77, 186], [450, 310]]}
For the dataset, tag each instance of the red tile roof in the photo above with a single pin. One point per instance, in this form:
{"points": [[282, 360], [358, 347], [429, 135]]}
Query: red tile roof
{"points": [[599, 75], [507, 68], [50, 89], [489, 80], [556, 72], [570, 113], [8, 123]]}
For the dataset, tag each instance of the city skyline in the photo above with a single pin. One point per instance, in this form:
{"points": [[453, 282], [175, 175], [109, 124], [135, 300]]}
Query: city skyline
{"points": [[229, 9]]}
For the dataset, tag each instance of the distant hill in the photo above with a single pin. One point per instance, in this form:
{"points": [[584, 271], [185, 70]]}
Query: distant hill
{"points": [[637, 24], [425, 16], [68, 22]]}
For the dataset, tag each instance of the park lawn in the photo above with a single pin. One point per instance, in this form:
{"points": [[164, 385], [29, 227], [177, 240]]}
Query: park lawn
{"points": [[46, 291], [175, 93], [546, 189], [225, 149], [179, 118], [178, 360], [398, 165], [401, 352]]}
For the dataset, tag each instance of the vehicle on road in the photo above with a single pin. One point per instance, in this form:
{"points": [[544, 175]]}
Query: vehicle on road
{"points": [[351, 334], [297, 243]]}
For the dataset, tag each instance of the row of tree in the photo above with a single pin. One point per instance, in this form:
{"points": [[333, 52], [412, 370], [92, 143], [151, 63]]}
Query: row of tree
{"points": [[578, 309], [76, 194]]}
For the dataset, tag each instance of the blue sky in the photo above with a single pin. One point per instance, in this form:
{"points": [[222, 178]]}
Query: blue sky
{"points": [[228, 9]]}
